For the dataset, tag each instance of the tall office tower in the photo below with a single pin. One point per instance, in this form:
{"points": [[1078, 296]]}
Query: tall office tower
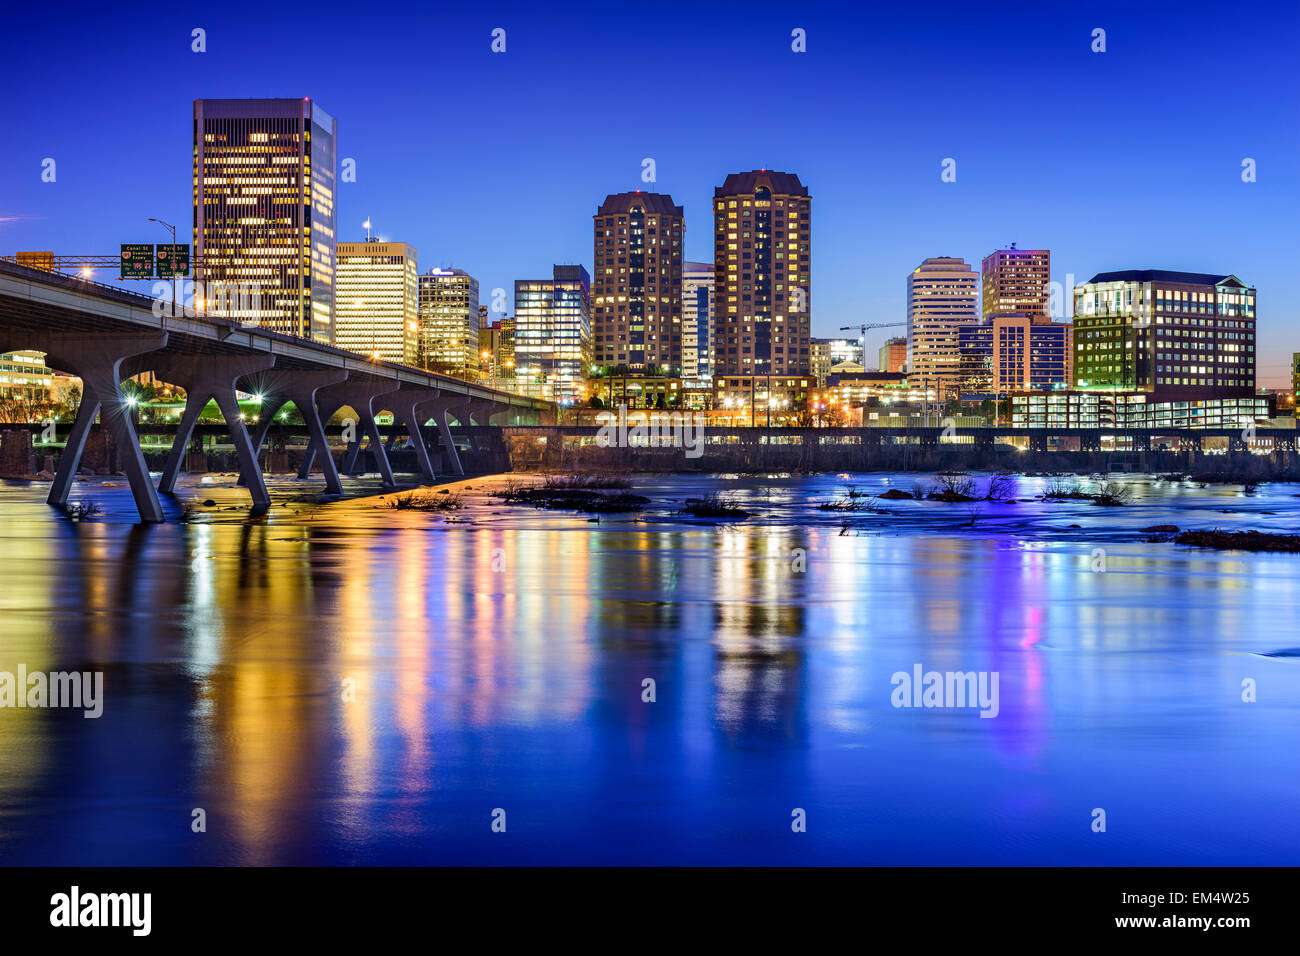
{"points": [[762, 276], [375, 299], [1016, 280], [552, 335], [447, 336], [893, 354], [636, 292], [1180, 335], [942, 299], [264, 211], [697, 321]]}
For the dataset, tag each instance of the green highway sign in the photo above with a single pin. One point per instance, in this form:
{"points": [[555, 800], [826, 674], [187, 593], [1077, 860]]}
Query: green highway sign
{"points": [[173, 261], [137, 260]]}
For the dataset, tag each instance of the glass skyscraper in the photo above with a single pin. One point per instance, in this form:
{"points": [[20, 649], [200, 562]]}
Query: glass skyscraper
{"points": [[553, 334], [264, 210]]}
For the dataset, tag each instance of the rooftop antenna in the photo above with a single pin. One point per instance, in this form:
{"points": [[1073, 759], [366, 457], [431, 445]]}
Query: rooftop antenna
{"points": [[367, 225]]}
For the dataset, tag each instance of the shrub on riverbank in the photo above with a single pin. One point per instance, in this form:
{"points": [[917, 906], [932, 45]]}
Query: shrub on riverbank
{"points": [[852, 502], [424, 501], [714, 506], [1241, 540], [1110, 493], [1113, 493], [566, 495]]}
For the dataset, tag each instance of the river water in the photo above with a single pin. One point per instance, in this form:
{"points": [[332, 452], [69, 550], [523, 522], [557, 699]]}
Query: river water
{"points": [[343, 682]]}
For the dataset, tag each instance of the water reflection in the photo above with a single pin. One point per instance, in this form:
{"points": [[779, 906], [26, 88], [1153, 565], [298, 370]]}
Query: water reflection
{"points": [[348, 686]]}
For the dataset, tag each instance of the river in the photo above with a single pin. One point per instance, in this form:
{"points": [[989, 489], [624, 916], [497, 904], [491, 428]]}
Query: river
{"points": [[344, 682]]}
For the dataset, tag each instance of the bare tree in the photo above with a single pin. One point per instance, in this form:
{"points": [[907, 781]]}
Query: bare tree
{"points": [[1001, 487]]}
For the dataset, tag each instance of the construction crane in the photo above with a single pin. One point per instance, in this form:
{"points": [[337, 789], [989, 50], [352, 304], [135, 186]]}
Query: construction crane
{"points": [[862, 329]]}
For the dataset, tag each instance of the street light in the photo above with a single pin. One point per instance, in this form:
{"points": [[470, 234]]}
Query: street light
{"points": [[175, 294]]}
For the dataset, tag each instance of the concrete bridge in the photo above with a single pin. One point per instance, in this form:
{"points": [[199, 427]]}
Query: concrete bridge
{"points": [[104, 335]]}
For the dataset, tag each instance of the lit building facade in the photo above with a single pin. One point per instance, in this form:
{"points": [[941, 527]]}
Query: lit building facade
{"points": [[850, 391], [636, 292], [762, 264], [819, 351], [264, 211], [852, 351], [893, 354], [697, 321], [1013, 351], [975, 361], [552, 335], [1178, 335], [1017, 281], [375, 299], [942, 299], [447, 337], [1117, 409], [26, 384]]}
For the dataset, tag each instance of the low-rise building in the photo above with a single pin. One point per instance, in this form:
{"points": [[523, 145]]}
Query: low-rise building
{"points": [[1080, 409]]}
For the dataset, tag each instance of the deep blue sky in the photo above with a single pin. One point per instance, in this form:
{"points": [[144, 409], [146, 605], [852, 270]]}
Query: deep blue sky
{"points": [[496, 162]]}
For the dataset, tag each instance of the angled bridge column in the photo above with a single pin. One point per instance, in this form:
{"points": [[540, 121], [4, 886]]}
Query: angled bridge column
{"points": [[357, 396], [204, 377], [97, 361], [405, 404], [438, 409], [300, 387]]}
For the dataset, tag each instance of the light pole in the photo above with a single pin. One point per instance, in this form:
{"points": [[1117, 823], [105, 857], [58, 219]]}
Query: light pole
{"points": [[167, 225]]}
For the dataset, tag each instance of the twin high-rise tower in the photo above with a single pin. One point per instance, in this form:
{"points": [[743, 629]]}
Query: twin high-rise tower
{"points": [[762, 248], [761, 297], [636, 289]]}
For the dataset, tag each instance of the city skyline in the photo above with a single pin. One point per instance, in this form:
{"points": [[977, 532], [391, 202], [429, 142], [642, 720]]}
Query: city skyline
{"points": [[599, 436], [1101, 204]]}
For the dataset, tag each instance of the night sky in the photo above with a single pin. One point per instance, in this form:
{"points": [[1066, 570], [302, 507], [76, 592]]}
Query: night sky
{"points": [[495, 163]]}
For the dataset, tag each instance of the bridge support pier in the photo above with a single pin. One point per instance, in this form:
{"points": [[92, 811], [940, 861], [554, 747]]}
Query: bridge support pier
{"points": [[438, 409], [97, 361], [405, 403], [358, 396], [301, 389], [204, 377]]}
